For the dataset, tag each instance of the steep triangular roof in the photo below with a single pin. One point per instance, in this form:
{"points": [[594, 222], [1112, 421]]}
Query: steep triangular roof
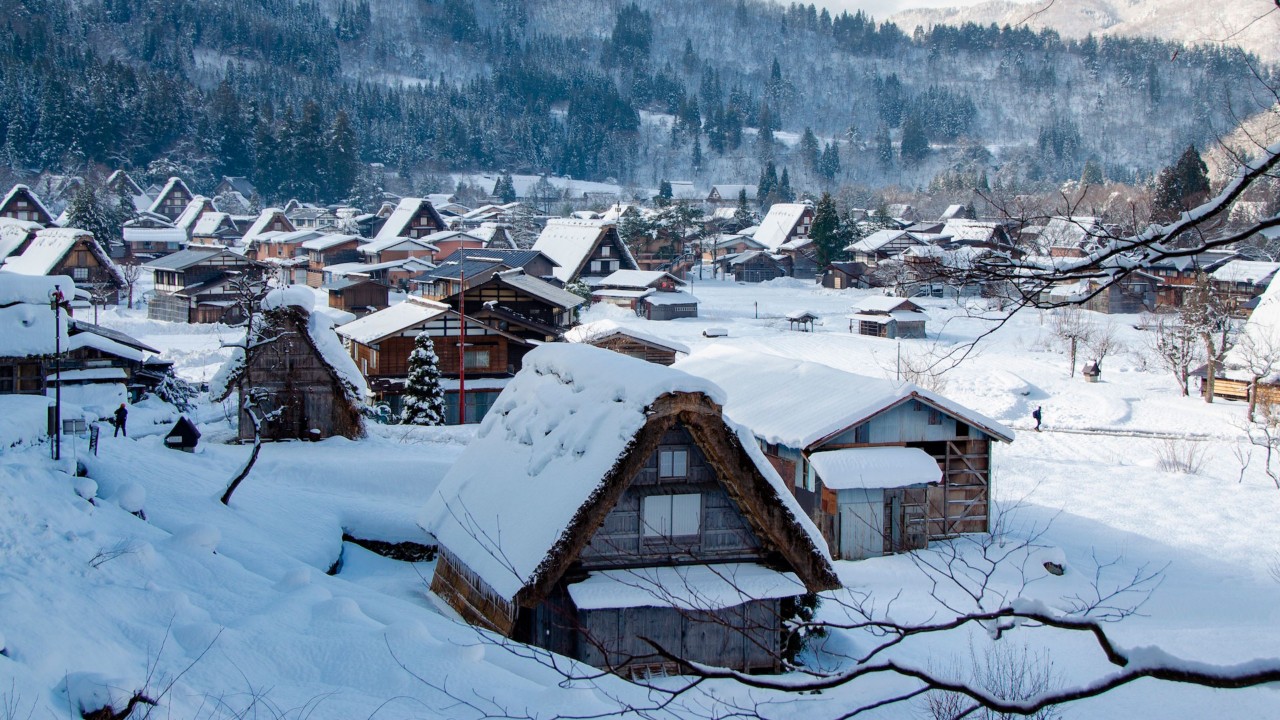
{"points": [[560, 447], [779, 223], [18, 192], [570, 243], [174, 184], [397, 223]]}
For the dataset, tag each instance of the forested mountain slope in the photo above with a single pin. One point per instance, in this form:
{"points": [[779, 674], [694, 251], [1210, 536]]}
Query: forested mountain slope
{"points": [[294, 94]]}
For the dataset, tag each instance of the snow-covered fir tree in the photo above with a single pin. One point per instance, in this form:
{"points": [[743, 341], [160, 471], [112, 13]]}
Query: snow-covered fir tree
{"points": [[423, 396]]}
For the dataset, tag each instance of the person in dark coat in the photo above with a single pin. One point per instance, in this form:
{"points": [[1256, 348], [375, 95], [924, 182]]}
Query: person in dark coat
{"points": [[1036, 415], [122, 415]]}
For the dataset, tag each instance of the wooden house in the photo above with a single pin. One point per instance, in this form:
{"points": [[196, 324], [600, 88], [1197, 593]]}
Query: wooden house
{"points": [[172, 199], [826, 431], [476, 267], [149, 236], [651, 294], [395, 273], [398, 248], [801, 258], [273, 235], [328, 249], [606, 503], [754, 266], [411, 218], [297, 362], [448, 242], [74, 253], [887, 317], [1134, 293], [1239, 281], [22, 204], [15, 235], [1256, 350], [380, 344], [193, 286], [357, 294], [1072, 237], [883, 245], [584, 250], [214, 229], [844, 275], [730, 194], [495, 235], [548, 307], [987, 234], [186, 222], [610, 335], [1178, 274], [783, 223]]}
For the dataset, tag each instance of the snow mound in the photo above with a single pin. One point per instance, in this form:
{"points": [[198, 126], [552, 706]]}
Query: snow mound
{"points": [[88, 692], [299, 296], [86, 488], [131, 497], [198, 536], [23, 419]]}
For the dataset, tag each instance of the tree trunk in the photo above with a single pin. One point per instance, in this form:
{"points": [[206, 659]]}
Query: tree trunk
{"points": [[1073, 357], [253, 458], [1253, 396], [1208, 373]]}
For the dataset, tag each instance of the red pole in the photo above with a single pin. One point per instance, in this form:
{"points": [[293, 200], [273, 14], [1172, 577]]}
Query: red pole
{"points": [[462, 342]]}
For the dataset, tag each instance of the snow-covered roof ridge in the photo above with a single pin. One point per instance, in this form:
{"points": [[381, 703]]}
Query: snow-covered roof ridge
{"points": [[377, 325], [169, 185], [51, 245], [638, 279], [798, 403], [398, 221], [600, 329], [779, 223], [30, 193], [569, 242], [547, 452]]}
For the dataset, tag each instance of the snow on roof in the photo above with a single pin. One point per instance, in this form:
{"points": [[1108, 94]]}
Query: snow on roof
{"points": [[408, 264], [191, 213], [299, 296], [886, 304], [88, 374], [542, 289], [398, 221], [1245, 271], [802, 315], [46, 250], [542, 451], [886, 318], [638, 278], [1259, 339], [684, 587], [963, 230], [259, 226], [593, 332], [34, 198], [104, 344], [952, 211], [1071, 232], [377, 246], [569, 242], [13, 233], [618, 293], [377, 325], [209, 222], [324, 242], [879, 239], [670, 298], [321, 330], [798, 403], [159, 234], [164, 192], [779, 223], [731, 192], [875, 467]]}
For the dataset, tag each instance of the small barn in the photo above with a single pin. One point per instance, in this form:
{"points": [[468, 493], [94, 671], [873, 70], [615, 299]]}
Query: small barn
{"points": [[651, 294], [887, 317], [183, 436], [606, 500], [843, 275], [754, 266], [297, 362], [610, 335]]}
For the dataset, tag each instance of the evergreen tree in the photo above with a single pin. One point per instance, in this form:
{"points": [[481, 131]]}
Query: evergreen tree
{"points": [[505, 189], [768, 182], [915, 145], [829, 163], [744, 216], [1182, 186], [343, 153], [785, 192], [825, 231], [810, 151], [423, 396], [697, 153], [87, 211], [663, 198], [1092, 173], [884, 147]]}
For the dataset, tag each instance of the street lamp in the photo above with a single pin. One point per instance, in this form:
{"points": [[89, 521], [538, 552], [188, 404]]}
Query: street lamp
{"points": [[56, 302]]}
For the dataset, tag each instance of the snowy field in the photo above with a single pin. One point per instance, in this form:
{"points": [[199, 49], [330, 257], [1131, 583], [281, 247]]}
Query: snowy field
{"points": [[226, 612]]}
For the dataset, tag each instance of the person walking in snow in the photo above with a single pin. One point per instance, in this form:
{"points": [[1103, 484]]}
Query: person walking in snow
{"points": [[1036, 415], [122, 415]]}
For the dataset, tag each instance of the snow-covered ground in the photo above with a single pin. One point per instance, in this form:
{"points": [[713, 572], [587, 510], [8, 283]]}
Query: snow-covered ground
{"points": [[219, 609]]}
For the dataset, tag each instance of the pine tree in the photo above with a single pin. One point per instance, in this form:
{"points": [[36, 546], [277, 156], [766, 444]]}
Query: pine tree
{"points": [[505, 189], [343, 153], [1092, 173], [1182, 186], [768, 182], [915, 146], [810, 151], [423, 396], [87, 211], [784, 187], [829, 163], [884, 147], [663, 198], [744, 216], [825, 230]]}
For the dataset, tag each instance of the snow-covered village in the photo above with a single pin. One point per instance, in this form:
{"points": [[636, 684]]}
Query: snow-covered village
{"points": [[541, 359]]}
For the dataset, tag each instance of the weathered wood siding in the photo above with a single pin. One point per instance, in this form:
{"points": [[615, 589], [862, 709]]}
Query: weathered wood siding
{"points": [[861, 523], [630, 346], [723, 533], [746, 637]]}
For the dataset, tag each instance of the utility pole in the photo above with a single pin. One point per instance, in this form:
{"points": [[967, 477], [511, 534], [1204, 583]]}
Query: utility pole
{"points": [[56, 301], [462, 342]]}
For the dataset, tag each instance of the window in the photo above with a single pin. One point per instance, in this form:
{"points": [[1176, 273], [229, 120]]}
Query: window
{"points": [[673, 463], [604, 251], [6, 379], [595, 266], [476, 359], [80, 274], [935, 416], [862, 433], [671, 516]]}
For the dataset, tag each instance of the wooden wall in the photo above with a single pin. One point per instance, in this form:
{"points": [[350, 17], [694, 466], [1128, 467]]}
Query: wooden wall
{"points": [[630, 346], [724, 533]]}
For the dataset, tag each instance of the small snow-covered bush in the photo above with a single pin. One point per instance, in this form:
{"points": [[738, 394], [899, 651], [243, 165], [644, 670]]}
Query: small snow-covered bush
{"points": [[177, 392], [1182, 456]]}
